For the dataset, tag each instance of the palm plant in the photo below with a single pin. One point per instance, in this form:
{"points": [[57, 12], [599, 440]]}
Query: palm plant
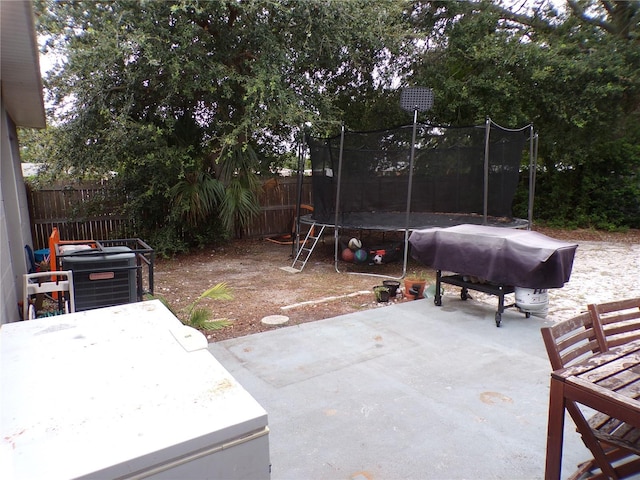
{"points": [[196, 195], [199, 317], [238, 172], [234, 195]]}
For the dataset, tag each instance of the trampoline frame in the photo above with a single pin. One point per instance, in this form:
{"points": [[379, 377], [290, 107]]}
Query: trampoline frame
{"points": [[408, 227]]}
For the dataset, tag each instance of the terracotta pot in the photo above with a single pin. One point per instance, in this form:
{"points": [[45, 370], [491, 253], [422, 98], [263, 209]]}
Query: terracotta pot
{"points": [[412, 285]]}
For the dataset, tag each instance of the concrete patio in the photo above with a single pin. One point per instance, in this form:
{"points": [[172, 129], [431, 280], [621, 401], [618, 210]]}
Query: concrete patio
{"points": [[407, 391]]}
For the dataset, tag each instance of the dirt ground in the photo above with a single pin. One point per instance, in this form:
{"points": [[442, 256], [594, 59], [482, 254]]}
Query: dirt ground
{"points": [[260, 288]]}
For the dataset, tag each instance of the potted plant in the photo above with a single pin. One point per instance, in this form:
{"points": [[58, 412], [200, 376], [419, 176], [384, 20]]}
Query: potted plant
{"points": [[382, 293], [414, 284], [393, 286]]}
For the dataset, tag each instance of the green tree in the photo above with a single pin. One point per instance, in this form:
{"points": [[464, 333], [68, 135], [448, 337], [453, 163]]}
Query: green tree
{"points": [[186, 100], [575, 75], [192, 102]]}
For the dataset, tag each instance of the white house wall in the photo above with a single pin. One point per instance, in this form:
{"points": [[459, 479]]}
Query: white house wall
{"points": [[15, 230], [21, 104]]}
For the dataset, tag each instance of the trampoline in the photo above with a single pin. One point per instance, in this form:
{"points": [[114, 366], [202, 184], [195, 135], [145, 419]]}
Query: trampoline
{"points": [[417, 177]]}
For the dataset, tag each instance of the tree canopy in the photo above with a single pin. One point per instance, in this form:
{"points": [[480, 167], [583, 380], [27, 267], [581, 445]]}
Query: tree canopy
{"points": [[574, 73], [188, 101]]}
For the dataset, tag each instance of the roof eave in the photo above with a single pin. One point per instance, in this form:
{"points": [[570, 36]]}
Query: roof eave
{"points": [[21, 81]]}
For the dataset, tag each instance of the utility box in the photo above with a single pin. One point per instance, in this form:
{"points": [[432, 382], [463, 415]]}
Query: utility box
{"points": [[102, 278]]}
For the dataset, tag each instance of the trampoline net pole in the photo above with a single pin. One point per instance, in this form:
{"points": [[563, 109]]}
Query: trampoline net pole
{"points": [[533, 160], [336, 228], [295, 245], [485, 198]]}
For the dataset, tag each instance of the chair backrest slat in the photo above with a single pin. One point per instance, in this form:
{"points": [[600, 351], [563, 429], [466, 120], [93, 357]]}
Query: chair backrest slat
{"points": [[570, 341], [620, 320]]}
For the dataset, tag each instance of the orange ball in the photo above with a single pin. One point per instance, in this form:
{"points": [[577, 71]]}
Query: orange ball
{"points": [[347, 255]]}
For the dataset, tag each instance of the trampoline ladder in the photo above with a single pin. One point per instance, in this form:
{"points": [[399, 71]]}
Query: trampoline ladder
{"points": [[302, 257]]}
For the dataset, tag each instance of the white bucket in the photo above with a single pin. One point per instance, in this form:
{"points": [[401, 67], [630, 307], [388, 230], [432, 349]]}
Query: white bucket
{"points": [[532, 300]]}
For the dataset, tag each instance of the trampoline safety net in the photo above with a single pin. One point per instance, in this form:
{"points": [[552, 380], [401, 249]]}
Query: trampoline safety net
{"points": [[448, 181]]}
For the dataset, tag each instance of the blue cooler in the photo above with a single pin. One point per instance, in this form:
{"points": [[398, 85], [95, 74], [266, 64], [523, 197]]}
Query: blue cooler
{"points": [[41, 255]]}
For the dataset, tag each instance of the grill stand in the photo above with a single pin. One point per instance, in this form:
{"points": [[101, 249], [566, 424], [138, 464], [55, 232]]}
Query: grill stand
{"points": [[491, 288]]}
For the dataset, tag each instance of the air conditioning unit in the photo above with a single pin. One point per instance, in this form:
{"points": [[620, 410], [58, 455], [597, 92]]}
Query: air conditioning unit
{"points": [[102, 278]]}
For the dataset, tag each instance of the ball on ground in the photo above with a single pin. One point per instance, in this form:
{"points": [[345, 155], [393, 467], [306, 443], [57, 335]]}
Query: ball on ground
{"points": [[355, 244], [378, 259], [361, 256], [347, 255]]}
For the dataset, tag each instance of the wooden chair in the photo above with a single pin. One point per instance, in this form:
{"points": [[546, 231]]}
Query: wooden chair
{"points": [[572, 341], [620, 320]]}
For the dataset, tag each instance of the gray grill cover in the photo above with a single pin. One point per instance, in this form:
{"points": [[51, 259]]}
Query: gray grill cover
{"points": [[499, 255]]}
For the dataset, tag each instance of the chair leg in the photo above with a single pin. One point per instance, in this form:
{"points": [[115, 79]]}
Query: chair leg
{"points": [[585, 470], [591, 442], [590, 469], [629, 468]]}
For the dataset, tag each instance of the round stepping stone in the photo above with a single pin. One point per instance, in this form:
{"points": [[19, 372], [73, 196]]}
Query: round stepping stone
{"points": [[275, 320]]}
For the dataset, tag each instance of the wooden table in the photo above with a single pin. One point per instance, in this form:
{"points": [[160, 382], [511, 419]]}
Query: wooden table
{"points": [[608, 382]]}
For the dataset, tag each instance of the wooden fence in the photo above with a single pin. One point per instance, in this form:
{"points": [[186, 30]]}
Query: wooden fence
{"points": [[84, 212]]}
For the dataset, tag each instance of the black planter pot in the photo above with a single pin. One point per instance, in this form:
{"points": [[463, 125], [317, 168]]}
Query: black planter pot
{"points": [[382, 293], [393, 286]]}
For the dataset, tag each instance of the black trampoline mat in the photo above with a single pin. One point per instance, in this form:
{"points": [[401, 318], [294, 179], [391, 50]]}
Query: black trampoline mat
{"points": [[390, 221]]}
